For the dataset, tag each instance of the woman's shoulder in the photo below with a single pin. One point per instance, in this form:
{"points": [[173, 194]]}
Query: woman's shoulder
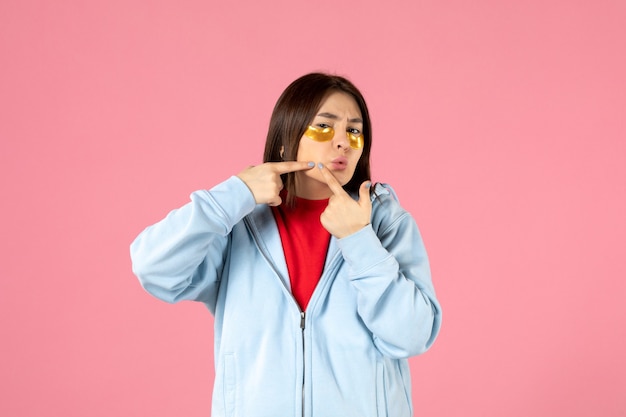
{"points": [[386, 208]]}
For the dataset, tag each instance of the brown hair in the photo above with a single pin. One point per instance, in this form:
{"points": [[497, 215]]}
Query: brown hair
{"points": [[295, 110]]}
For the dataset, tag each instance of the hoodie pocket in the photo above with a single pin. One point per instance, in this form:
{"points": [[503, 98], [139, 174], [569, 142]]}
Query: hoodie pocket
{"points": [[229, 384], [381, 392]]}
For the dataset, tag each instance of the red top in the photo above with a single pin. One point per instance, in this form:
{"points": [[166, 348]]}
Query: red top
{"points": [[305, 243]]}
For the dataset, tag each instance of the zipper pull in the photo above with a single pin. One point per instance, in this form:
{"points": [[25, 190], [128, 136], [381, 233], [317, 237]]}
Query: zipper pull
{"points": [[302, 320]]}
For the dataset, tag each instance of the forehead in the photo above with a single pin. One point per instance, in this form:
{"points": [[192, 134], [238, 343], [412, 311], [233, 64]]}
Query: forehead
{"points": [[340, 104]]}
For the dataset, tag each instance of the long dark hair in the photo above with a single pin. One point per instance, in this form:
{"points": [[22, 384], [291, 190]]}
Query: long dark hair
{"points": [[295, 110]]}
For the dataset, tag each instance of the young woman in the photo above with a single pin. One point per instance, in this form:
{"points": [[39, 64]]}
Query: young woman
{"points": [[319, 283]]}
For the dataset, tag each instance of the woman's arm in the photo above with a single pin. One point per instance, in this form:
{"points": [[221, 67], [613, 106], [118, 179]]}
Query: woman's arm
{"points": [[389, 269], [181, 257]]}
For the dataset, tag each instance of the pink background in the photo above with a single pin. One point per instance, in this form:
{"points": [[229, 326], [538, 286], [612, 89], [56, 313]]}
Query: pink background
{"points": [[500, 124]]}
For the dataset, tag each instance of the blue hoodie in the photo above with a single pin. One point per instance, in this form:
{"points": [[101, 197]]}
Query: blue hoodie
{"points": [[346, 355]]}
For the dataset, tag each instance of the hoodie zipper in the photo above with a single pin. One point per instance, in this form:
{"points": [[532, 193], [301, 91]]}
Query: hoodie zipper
{"points": [[332, 264], [302, 317]]}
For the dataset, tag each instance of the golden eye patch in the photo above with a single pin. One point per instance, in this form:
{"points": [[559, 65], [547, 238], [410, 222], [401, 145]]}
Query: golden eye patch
{"points": [[325, 134], [356, 141], [320, 134]]}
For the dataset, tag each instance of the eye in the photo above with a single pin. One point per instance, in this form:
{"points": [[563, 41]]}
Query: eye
{"points": [[323, 125], [354, 131]]}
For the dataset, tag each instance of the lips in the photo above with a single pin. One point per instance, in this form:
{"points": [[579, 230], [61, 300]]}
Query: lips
{"points": [[339, 164]]}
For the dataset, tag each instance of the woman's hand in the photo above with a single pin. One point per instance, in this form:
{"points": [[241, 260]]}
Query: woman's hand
{"points": [[343, 215], [264, 180]]}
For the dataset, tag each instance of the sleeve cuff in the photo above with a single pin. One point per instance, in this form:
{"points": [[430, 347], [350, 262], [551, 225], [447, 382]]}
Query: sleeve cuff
{"points": [[362, 250]]}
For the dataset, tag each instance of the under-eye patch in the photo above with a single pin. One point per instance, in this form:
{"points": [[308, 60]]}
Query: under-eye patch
{"points": [[325, 134]]}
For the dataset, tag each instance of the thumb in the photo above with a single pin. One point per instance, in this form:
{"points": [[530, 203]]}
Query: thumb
{"points": [[364, 193]]}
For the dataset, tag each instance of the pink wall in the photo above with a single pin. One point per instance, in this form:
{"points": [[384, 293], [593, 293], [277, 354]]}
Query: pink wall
{"points": [[500, 124]]}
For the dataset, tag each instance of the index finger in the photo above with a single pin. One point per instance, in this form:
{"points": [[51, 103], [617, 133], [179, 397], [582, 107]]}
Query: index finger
{"points": [[332, 182], [291, 166]]}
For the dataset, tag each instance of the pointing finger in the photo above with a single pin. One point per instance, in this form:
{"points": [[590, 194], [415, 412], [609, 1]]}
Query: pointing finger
{"points": [[332, 182], [291, 166]]}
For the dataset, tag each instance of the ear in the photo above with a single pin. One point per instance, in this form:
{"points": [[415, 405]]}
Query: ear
{"points": [[282, 152]]}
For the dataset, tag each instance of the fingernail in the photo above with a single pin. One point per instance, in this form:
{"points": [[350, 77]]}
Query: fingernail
{"points": [[311, 164], [320, 165], [368, 185]]}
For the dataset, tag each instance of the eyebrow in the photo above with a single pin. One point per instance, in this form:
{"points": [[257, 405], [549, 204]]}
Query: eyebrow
{"points": [[335, 117]]}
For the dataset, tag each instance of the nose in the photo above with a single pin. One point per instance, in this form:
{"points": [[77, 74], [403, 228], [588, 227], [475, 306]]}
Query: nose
{"points": [[340, 140]]}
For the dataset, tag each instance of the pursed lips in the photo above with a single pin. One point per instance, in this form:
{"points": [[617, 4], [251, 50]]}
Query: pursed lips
{"points": [[339, 163]]}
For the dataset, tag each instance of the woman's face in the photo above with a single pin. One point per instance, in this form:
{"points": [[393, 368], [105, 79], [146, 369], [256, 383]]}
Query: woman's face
{"points": [[340, 112]]}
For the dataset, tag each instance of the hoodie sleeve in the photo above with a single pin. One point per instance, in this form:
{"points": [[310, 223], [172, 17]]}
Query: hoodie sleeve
{"points": [[181, 257], [389, 269]]}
